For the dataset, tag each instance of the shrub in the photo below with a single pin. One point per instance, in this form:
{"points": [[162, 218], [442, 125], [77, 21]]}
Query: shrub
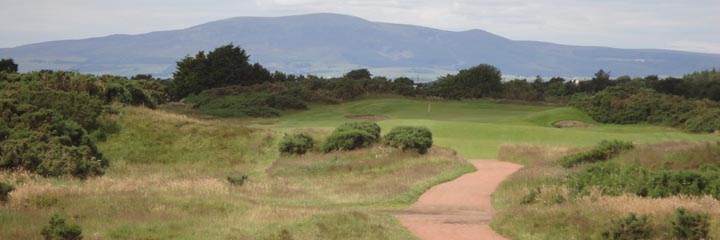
{"points": [[612, 179], [296, 144], [603, 152], [347, 140], [417, 138], [59, 230], [615, 179], [369, 127], [5, 190], [630, 228], [670, 183], [689, 225], [237, 180]]}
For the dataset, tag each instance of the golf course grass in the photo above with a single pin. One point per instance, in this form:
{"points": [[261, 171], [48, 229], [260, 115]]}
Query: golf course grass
{"points": [[477, 128], [167, 178]]}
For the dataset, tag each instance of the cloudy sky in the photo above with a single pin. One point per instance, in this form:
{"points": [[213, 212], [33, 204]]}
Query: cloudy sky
{"points": [[668, 24]]}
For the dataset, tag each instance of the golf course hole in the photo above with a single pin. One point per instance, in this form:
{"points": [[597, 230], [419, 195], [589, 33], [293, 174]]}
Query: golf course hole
{"points": [[571, 124], [367, 117]]}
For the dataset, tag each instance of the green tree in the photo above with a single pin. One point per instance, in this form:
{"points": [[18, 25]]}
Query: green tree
{"points": [[8, 65], [226, 65], [480, 81], [358, 74], [404, 86]]}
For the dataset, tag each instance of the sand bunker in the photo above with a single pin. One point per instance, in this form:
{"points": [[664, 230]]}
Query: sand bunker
{"points": [[571, 124], [367, 117]]}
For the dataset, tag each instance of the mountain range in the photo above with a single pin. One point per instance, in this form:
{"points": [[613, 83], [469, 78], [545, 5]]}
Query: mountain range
{"points": [[332, 44]]}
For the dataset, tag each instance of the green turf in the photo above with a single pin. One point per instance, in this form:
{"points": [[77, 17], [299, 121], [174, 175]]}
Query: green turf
{"points": [[477, 128]]}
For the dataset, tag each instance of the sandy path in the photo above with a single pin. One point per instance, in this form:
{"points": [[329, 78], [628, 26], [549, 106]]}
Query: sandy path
{"points": [[459, 209]]}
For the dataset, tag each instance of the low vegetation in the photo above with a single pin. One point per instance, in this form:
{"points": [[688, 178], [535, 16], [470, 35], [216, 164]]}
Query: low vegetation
{"points": [[691, 225], [602, 152], [5, 190], [410, 138], [595, 200], [630, 228], [352, 135], [58, 229], [296, 143]]}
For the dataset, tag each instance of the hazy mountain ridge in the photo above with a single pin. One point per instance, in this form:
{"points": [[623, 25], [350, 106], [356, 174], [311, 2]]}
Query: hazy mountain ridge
{"points": [[330, 44]]}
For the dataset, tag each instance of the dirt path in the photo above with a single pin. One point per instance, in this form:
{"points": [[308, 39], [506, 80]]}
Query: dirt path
{"points": [[459, 209]]}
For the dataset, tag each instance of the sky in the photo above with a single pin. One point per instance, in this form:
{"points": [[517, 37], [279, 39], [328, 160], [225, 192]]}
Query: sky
{"points": [[690, 25]]}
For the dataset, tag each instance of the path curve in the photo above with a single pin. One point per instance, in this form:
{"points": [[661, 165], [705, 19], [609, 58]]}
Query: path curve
{"points": [[460, 209]]}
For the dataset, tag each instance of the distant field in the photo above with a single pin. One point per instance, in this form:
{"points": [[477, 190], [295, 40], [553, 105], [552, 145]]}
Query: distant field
{"points": [[475, 129]]}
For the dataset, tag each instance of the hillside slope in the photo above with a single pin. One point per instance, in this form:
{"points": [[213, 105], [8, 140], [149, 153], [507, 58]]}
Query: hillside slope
{"points": [[331, 44]]}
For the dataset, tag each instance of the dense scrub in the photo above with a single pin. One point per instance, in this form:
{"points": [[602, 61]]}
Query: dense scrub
{"points": [[58, 229], [631, 227], [260, 104], [51, 120], [296, 143], [352, 135], [615, 179], [628, 105], [410, 138], [691, 225], [602, 152]]}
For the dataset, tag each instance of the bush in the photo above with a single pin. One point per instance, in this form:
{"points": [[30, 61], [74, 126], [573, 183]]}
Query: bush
{"points": [[612, 179], [347, 140], [237, 180], [628, 105], [615, 179], [296, 144], [59, 230], [369, 127], [405, 138], [630, 228], [5, 190], [689, 225], [603, 152]]}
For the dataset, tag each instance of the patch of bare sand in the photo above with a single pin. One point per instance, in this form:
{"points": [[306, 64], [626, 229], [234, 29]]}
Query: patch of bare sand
{"points": [[460, 209]]}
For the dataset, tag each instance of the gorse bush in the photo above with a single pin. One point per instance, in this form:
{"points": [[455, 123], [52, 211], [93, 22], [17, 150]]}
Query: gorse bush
{"points": [[352, 135], [296, 144], [410, 138], [615, 179], [260, 104], [5, 190], [611, 179], [348, 140], [690, 225], [629, 105], [630, 228], [51, 120], [44, 141], [602, 152], [369, 127], [59, 230]]}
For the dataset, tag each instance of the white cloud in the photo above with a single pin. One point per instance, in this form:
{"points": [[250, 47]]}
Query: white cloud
{"points": [[616, 23]]}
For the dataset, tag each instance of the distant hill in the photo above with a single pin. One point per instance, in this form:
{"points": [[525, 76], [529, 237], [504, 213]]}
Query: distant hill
{"points": [[331, 44]]}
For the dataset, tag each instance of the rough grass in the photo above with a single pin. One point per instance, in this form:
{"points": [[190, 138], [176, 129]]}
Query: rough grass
{"points": [[167, 180], [556, 212]]}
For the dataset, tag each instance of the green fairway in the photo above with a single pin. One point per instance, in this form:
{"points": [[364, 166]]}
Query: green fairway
{"points": [[475, 129]]}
